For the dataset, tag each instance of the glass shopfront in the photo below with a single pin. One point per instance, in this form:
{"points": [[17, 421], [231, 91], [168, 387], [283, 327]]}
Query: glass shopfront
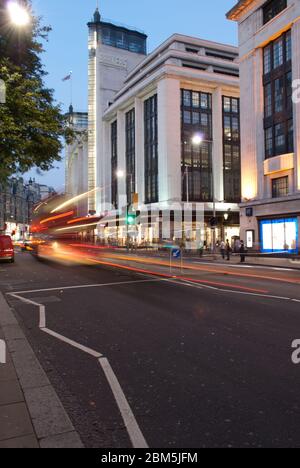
{"points": [[279, 235]]}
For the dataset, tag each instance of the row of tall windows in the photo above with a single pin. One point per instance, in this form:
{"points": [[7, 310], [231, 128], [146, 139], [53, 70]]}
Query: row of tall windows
{"points": [[196, 158], [278, 108]]}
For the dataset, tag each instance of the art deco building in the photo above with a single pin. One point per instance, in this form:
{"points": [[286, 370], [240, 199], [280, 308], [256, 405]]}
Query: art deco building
{"points": [[170, 122], [269, 47]]}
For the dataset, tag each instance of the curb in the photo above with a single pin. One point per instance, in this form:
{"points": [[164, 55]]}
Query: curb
{"points": [[52, 425]]}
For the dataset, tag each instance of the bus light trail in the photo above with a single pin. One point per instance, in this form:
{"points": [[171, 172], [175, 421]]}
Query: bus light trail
{"points": [[54, 218], [73, 200]]}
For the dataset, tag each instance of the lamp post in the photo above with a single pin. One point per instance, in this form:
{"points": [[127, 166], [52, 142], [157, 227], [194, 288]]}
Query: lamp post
{"points": [[19, 15], [121, 175], [197, 140]]}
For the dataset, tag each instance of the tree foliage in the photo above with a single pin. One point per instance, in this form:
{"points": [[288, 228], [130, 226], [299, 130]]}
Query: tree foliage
{"points": [[31, 123]]}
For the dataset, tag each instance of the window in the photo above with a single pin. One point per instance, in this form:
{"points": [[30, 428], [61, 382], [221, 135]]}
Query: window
{"points": [[123, 39], [288, 46], [268, 100], [151, 150], [196, 100], [290, 125], [196, 160], [289, 92], [231, 149], [273, 8], [278, 108], [279, 235], [130, 155], [278, 53], [114, 164], [280, 187], [269, 142], [279, 93], [279, 138], [267, 60]]}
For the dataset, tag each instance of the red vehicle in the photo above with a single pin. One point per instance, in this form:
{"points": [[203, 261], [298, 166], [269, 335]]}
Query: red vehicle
{"points": [[6, 249]]}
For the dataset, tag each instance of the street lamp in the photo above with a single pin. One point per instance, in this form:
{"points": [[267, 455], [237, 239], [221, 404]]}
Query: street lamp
{"points": [[18, 14], [121, 175], [197, 140]]}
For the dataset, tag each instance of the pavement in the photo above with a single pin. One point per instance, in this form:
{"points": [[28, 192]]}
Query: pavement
{"points": [[138, 356], [31, 414], [253, 259]]}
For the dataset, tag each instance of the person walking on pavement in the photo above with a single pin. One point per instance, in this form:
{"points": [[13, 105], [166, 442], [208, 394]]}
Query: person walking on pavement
{"points": [[228, 250], [223, 249], [242, 252]]}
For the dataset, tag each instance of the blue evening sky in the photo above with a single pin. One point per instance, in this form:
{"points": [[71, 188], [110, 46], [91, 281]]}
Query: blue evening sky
{"points": [[159, 19]]}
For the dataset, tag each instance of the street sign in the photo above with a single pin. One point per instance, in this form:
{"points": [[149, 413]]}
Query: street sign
{"points": [[176, 253]]}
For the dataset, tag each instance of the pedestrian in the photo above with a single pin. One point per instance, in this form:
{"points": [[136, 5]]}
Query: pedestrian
{"points": [[201, 247], [243, 252], [228, 250], [222, 249]]}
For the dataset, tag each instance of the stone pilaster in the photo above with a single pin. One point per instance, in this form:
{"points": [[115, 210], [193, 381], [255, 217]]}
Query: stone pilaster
{"points": [[139, 149], [121, 158], [296, 76], [169, 140]]}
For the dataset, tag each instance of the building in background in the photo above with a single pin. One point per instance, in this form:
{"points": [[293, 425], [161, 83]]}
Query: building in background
{"points": [[17, 202], [269, 46], [77, 159]]}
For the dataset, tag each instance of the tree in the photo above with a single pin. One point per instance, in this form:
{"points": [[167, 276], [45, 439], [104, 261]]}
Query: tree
{"points": [[31, 123]]}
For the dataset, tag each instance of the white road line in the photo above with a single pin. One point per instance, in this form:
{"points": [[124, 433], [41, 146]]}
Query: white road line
{"points": [[132, 427], [135, 434], [42, 310], [85, 286], [85, 349], [196, 286]]}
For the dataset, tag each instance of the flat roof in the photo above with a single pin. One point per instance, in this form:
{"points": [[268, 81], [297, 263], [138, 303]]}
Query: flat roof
{"points": [[235, 12]]}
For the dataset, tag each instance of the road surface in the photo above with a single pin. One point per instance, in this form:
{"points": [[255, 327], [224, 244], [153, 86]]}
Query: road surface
{"points": [[197, 358]]}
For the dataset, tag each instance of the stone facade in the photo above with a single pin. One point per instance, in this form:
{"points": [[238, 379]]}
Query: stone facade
{"points": [[259, 173]]}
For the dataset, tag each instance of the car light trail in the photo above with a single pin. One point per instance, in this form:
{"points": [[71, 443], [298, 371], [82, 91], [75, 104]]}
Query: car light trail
{"points": [[164, 275]]}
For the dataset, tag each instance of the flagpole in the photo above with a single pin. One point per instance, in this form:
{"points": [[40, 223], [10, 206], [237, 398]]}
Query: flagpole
{"points": [[71, 86]]}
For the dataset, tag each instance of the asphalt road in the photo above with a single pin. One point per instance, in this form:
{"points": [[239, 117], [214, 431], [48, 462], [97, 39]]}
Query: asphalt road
{"points": [[199, 362]]}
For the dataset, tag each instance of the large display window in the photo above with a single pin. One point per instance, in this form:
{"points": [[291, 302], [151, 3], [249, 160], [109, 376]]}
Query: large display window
{"points": [[279, 235]]}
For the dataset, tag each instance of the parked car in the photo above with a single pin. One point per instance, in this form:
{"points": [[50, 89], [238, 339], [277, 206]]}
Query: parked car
{"points": [[6, 249]]}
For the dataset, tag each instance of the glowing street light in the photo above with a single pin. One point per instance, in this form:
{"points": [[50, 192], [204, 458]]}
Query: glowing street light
{"points": [[197, 140], [120, 174], [18, 14]]}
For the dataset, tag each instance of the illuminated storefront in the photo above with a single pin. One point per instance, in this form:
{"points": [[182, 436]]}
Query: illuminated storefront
{"points": [[279, 235]]}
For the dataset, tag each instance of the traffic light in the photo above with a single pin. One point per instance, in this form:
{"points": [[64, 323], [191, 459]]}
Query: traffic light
{"points": [[132, 218], [213, 222]]}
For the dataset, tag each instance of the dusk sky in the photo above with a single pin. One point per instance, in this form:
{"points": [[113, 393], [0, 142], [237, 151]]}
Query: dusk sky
{"points": [[67, 46]]}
